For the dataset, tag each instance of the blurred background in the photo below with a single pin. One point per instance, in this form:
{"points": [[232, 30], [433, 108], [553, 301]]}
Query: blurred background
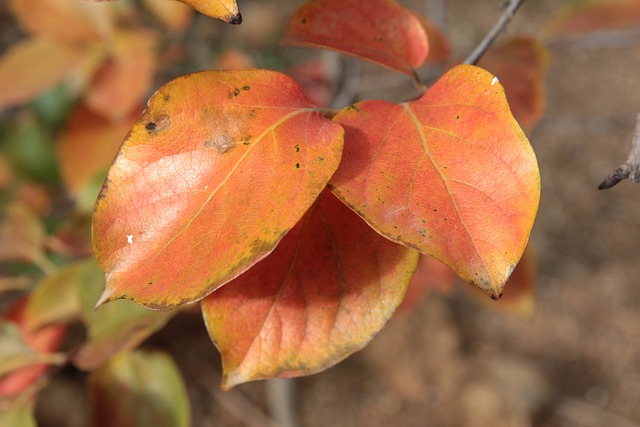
{"points": [[569, 355]]}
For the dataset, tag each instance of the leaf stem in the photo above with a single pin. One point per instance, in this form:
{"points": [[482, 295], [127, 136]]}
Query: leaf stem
{"points": [[629, 169], [499, 27]]}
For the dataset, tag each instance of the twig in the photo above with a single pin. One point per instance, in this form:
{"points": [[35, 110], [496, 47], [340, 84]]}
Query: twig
{"points": [[629, 169], [280, 398], [498, 28]]}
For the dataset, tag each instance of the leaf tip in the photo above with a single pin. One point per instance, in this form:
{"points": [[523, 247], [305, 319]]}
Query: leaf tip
{"points": [[236, 19], [107, 296]]}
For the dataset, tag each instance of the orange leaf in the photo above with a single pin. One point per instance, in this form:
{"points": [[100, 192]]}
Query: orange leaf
{"points": [[21, 80], [124, 80], [65, 20], [227, 10], [32, 351], [520, 64], [174, 15], [584, 16], [219, 167], [451, 174], [519, 292], [326, 290], [439, 46], [87, 147], [381, 31], [431, 275]]}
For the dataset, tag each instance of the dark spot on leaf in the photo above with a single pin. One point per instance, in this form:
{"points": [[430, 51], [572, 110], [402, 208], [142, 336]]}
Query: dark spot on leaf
{"points": [[297, 148], [236, 92], [354, 107], [167, 98], [157, 124], [297, 165], [303, 21], [457, 117], [320, 159], [246, 87], [222, 143], [150, 126], [246, 140], [150, 283], [236, 20], [378, 39]]}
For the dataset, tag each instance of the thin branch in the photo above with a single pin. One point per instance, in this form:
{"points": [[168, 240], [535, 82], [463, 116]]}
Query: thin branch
{"points": [[281, 401], [629, 169], [498, 28]]}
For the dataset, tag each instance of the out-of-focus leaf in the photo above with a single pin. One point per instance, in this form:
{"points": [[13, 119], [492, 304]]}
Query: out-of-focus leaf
{"points": [[439, 45], [583, 16], [65, 20], [120, 85], [86, 148], [18, 415], [56, 299], [381, 31], [519, 293], [227, 10], [139, 389], [29, 149], [430, 276], [451, 174], [22, 237], [314, 81], [24, 354], [520, 64], [324, 292], [173, 14], [219, 167], [15, 283], [33, 66], [233, 59]]}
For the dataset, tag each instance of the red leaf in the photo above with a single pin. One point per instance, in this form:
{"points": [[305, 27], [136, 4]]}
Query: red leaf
{"points": [[451, 174], [326, 290], [520, 64], [381, 31], [124, 79], [219, 167], [439, 45]]}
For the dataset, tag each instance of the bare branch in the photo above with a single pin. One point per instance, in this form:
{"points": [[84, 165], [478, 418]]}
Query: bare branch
{"points": [[629, 169], [498, 28]]}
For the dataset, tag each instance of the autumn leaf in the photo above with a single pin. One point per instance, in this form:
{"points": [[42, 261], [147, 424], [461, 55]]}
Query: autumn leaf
{"points": [[175, 15], [86, 148], [326, 290], [139, 389], [123, 80], [25, 354], [439, 45], [219, 167], [521, 64], [519, 297], [22, 236], [381, 31], [64, 20], [580, 17], [21, 81], [227, 10], [451, 174], [430, 276]]}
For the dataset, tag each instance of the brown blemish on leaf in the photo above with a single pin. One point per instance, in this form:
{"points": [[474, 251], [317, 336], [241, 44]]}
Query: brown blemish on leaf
{"points": [[222, 143], [236, 92], [157, 124], [246, 87], [297, 165]]}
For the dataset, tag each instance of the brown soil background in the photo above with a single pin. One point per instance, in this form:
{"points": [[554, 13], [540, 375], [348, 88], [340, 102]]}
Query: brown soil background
{"points": [[450, 362]]}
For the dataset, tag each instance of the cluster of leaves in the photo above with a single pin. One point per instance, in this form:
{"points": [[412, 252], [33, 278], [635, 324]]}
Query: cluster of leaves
{"points": [[314, 220]]}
